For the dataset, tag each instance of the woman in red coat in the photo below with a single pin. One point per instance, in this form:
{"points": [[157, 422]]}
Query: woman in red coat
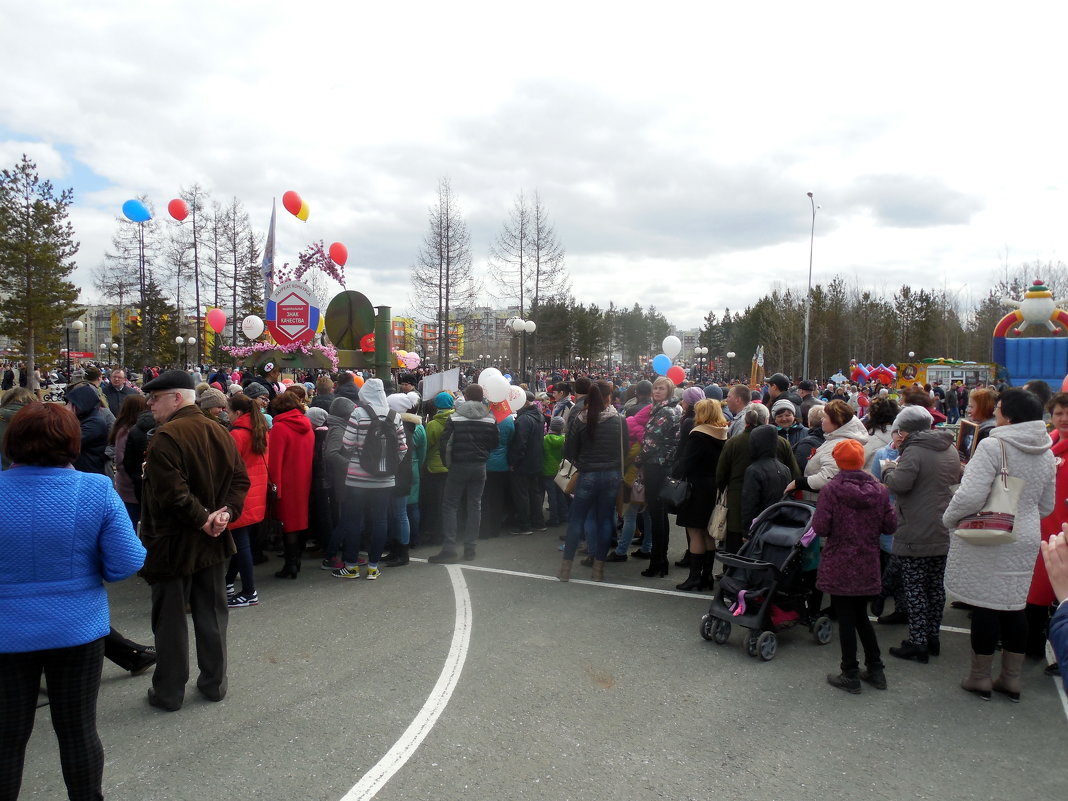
{"points": [[250, 435], [1040, 597], [290, 468]]}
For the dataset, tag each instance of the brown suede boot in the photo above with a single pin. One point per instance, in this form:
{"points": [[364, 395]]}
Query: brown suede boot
{"points": [[1008, 683], [598, 570], [978, 680], [565, 570]]}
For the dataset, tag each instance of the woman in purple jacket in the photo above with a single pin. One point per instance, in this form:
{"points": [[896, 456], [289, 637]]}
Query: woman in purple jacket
{"points": [[852, 511]]}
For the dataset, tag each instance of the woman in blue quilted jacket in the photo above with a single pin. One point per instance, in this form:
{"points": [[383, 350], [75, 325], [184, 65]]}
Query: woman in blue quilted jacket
{"points": [[53, 605]]}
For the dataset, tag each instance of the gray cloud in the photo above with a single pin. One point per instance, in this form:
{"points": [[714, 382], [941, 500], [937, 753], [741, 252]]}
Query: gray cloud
{"points": [[907, 201]]}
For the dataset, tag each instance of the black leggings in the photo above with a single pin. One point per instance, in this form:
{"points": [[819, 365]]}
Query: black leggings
{"points": [[991, 625], [73, 676], [654, 476], [853, 623]]}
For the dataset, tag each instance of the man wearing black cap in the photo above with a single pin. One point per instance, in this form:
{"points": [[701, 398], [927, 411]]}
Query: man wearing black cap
{"points": [[807, 390], [195, 482]]}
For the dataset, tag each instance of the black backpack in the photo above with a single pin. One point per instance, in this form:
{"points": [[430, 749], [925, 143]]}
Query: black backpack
{"points": [[380, 454]]}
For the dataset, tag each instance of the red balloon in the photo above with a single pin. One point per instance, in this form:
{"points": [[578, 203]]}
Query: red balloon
{"points": [[292, 201], [1064, 384], [676, 374], [178, 209], [339, 253]]}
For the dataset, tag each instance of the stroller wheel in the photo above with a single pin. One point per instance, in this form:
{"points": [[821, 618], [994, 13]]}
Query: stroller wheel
{"points": [[767, 643], [707, 622], [751, 643], [822, 630], [721, 632]]}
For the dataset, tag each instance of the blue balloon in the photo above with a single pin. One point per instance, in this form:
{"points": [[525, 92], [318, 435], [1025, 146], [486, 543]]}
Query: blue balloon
{"points": [[508, 377], [661, 364], [136, 211]]}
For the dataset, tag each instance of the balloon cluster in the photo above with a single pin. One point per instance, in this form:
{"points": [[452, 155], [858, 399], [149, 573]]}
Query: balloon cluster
{"points": [[882, 374], [663, 365], [136, 211], [498, 389]]}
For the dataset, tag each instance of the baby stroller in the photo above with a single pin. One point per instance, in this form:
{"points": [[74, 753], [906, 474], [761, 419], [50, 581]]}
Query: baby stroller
{"points": [[761, 588]]}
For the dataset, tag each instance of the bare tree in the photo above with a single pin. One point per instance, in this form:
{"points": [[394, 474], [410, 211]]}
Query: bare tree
{"points": [[547, 254], [509, 257], [443, 287], [196, 198]]}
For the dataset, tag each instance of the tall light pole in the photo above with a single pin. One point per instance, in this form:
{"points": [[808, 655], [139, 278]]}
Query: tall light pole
{"points": [[730, 365], [77, 325], [808, 297]]}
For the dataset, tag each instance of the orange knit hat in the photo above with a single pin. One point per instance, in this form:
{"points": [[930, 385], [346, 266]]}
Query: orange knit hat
{"points": [[849, 454]]}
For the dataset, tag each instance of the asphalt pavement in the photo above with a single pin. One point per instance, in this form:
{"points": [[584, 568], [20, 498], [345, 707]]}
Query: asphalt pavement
{"points": [[491, 680]]}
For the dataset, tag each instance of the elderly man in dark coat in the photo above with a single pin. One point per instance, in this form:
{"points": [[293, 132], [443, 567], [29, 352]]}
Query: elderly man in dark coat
{"points": [[194, 483]]}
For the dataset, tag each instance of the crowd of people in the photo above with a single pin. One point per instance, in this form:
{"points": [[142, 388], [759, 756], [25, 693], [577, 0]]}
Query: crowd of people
{"points": [[352, 471]]}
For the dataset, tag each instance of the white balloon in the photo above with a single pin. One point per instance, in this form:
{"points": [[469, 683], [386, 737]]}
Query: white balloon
{"points": [[671, 346], [252, 326], [489, 372], [517, 396], [495, 388]]}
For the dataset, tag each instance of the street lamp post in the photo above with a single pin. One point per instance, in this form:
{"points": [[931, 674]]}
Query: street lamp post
{"points": [[808, 297], [730, 365], [185, 342], [700, 352], [77, 325]]}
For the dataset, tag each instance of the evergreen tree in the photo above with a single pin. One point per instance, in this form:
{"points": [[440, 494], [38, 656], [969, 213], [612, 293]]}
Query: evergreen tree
{"points": [[37, 249]]}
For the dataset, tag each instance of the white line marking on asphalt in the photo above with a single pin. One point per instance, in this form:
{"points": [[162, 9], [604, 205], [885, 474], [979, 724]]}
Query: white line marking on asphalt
{"points": [[402, 750]]}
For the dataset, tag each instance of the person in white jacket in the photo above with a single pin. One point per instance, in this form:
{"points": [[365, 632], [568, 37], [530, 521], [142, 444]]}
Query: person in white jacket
{"points": [[995, 578], [839, 423]]}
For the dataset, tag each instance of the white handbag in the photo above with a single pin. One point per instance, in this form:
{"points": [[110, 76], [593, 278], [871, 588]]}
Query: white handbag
{"points": [[993, 524]]}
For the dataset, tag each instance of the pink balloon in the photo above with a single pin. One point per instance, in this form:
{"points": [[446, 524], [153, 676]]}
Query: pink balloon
{"points": [[217, 320]]}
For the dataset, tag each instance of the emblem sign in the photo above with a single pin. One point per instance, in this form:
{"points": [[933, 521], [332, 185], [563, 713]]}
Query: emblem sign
{"points": [[292, 313]]}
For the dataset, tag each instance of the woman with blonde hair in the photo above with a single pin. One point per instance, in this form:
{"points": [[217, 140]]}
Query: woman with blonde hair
{"points": [[660, 441], [696, 464]]}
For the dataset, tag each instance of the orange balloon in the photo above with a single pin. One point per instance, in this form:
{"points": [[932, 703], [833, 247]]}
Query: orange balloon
{"points": [[357, 380]]}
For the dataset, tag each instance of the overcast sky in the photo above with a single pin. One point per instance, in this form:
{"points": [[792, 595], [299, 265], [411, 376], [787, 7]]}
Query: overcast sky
{"points": [[672, 145]]}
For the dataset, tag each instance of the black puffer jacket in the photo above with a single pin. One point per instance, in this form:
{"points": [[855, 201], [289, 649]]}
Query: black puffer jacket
{"points": [[766, 477], [470, 435], [85, 401], [133, 458], [526, 451], [602, 451]]}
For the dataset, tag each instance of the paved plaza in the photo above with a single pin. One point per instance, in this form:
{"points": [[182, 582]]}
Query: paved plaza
{"points": [[491, 680]]}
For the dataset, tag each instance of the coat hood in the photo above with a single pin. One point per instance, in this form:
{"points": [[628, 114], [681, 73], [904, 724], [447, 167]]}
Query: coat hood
{"points": [[294, 419], [1028, 437], [859, 490], [145, 421], [373, 393], [83, 399], [931, 440], [763, 441], [472, 410], [853, 429], [341, 407]]}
